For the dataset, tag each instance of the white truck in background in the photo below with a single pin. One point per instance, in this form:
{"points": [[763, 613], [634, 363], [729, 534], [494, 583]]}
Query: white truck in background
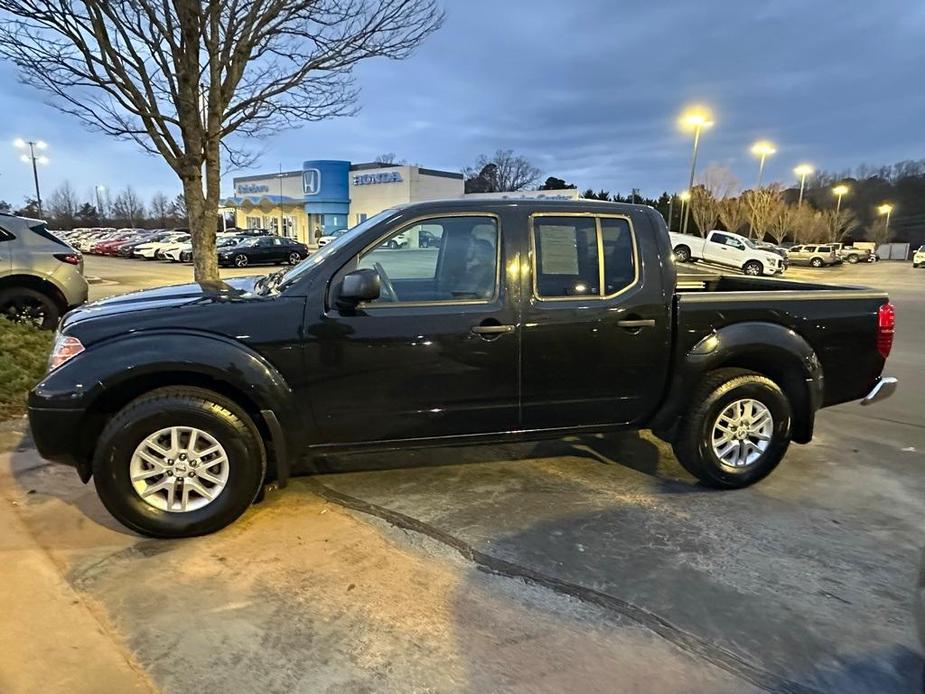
{"points": [[728, 249]]}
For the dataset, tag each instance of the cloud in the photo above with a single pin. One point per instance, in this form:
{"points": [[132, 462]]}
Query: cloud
{"points": [[588, 90]]}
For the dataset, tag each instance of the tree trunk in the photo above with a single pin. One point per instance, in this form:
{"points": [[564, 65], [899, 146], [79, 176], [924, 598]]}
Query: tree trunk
{"points": [[203, 222]]}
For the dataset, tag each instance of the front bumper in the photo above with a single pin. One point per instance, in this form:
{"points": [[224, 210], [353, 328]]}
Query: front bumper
{"points": [[56, 433], [884, 388]]}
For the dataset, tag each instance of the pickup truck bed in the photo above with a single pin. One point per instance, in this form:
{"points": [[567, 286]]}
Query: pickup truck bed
{"points": [[834, 319]]}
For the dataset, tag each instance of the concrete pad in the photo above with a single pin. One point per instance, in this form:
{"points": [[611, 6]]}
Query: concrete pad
{"points": [[54, 639], [303, 595]]}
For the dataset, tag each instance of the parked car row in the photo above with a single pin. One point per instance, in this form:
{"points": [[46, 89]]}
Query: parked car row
{"points": [[238, 247], [762, 258]]}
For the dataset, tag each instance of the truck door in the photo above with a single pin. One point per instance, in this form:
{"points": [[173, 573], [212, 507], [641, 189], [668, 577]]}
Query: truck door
{"points": [[437, 353], [721, 248], [596, 323]]}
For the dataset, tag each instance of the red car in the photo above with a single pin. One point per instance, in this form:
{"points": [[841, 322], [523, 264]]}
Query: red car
{"points": [[108, 246]]}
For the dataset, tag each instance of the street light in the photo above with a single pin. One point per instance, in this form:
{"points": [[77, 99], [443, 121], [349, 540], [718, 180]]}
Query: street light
{"points": [[762, 149], [803, 170], [840, 191], [695, 119], [886, 209], [33, 145]]}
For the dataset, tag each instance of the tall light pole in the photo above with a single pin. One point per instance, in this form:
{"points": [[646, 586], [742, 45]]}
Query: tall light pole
{"points": [[694, 119], [886, 209], [839, 191], [685, 196], [281, 231], [803, 170], [33, 145], [762, 149], [99, 201]]}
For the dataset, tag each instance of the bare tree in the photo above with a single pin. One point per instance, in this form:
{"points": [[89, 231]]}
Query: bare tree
{"points": [[704, 209], [841, 224], [504, 172], [733, 213], [809, 225], [181, 78], [178, 214], [128, 209], [159, 208], [878, 232], [781, 220], [719, 180], [63, 206], [760, 204], [386, 159]]}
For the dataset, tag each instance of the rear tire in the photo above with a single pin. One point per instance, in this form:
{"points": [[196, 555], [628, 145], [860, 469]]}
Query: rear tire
{"points": [[29, 307], [215, 418], [853, 258], [696, 444], [682, 254]]}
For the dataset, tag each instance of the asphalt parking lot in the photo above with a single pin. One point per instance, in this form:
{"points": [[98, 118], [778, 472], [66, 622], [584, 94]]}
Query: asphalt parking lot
{"points": [[591, 564]]}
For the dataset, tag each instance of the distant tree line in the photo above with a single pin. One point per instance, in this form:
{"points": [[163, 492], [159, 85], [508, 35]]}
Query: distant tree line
{"points": [[66, 209]]}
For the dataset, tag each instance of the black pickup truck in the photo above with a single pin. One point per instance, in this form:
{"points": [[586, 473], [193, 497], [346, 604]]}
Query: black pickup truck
{"points": [[515, 319]]}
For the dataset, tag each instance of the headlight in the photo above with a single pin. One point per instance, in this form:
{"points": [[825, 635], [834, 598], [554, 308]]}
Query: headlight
{"points": [[65, 348]]}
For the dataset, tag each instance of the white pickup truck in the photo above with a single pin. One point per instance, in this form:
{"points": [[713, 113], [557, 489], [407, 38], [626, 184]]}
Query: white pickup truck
{"points": [[726, 248]]}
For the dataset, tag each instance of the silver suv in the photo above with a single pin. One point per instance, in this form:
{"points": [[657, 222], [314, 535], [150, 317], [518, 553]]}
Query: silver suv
{"points": [[41, 277]]}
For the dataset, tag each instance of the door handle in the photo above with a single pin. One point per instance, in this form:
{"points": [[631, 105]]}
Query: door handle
{"points": [[636, 324], [492, 329]]}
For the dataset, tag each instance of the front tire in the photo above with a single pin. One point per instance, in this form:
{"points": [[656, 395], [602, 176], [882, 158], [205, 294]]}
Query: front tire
{"points": [[736, 431], [165, 484], [294, 258], [240, 260], [753, 268], [816, 262], [853, 259]]}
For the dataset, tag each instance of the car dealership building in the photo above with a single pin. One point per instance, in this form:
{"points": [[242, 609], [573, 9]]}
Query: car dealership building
{"points": [[327, 195]]}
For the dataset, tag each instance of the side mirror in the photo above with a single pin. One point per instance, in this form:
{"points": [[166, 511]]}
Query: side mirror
{"points": [[358, 286]]}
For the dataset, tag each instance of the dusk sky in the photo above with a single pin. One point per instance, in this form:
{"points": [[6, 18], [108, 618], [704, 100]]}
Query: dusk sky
{"points": [[588, 90]]}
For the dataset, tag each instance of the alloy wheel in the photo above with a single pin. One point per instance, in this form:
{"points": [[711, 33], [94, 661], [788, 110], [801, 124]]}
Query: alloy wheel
{"points": [[179, 469], [240, 260], [742, 433]]}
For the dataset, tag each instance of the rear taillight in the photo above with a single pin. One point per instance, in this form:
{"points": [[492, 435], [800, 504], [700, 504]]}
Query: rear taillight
{"points": [[69, 258], [886, 327]]}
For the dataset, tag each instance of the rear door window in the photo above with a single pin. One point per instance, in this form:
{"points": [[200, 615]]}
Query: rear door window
{"points": [[581, 256]]}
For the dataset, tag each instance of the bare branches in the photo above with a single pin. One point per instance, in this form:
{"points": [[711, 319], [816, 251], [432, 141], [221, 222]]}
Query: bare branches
{"points": [[179, 78], [503, 172]]}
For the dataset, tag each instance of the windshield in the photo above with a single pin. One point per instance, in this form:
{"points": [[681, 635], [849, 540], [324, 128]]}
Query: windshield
{"points": [[340, 239], [749, 243]]}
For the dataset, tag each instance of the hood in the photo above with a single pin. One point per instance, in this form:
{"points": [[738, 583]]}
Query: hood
{"points": [[195, 293]]}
